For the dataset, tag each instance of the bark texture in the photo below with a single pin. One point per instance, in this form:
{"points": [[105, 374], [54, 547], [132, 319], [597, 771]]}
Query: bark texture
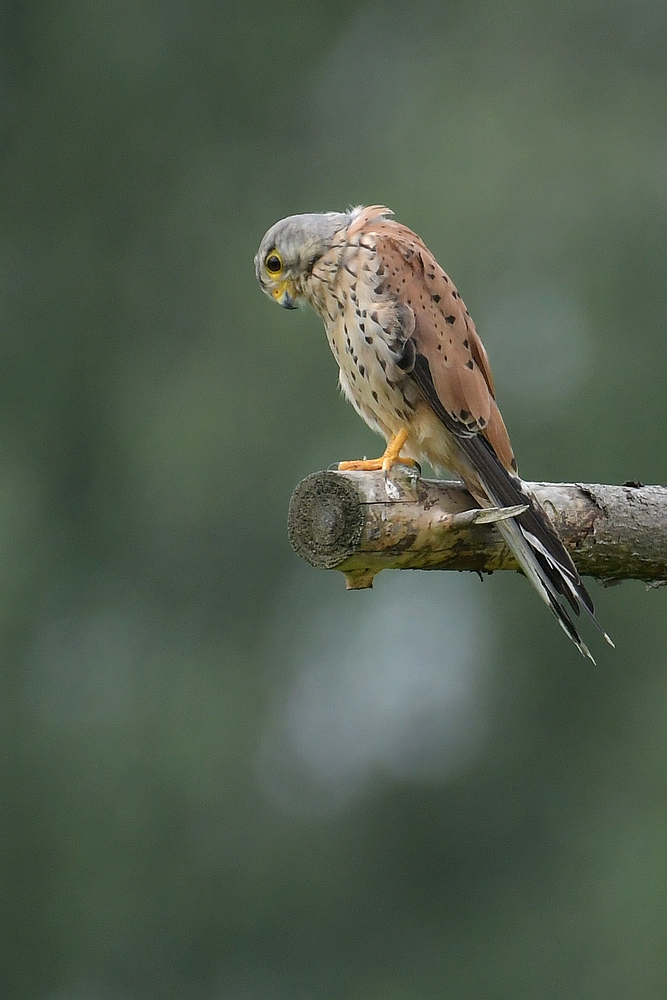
{"points": [[358, 524]]}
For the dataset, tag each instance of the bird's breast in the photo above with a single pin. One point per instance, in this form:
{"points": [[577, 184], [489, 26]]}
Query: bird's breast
{"points": [[368, 373]]}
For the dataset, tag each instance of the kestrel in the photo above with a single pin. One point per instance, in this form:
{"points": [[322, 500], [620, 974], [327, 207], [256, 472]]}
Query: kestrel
{"points": [[414, 368]]}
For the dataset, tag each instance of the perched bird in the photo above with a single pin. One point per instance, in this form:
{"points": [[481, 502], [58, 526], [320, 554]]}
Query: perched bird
{"points": [[414, 368]]}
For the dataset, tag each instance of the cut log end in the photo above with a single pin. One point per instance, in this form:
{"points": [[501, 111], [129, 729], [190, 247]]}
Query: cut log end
{"points": [[325, 520]]}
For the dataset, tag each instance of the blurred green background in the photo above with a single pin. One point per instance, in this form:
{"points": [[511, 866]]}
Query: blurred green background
{"points": [[221, 776]]}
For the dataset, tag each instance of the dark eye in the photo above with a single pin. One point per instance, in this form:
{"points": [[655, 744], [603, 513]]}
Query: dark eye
{"points": [[274, 264]]}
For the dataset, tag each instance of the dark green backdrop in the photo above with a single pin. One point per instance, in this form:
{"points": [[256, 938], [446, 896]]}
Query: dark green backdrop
{"points": [[222, 777]]}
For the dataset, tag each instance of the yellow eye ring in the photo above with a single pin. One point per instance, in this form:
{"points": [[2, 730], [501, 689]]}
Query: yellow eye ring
{"points": [[274, 263]]}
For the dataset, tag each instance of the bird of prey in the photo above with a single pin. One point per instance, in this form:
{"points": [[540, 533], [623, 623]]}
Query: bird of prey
{"points": [[414, 368]]}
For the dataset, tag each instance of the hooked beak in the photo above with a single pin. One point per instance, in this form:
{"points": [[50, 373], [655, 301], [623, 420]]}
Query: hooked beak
{"points": [[284, 295]]}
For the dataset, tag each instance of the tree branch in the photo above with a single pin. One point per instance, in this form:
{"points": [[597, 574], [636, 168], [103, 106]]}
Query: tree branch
{"points": [[354, 522]]}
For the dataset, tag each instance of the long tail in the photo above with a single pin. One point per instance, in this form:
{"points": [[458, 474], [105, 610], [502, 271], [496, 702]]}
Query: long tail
{"points": [[533, 540]]}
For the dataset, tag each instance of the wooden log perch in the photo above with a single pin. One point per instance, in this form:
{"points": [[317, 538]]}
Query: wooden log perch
{"points": [[358, 524]]}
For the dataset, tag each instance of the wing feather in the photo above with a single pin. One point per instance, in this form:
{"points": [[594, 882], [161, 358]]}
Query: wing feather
{"points": [[445, 335]]}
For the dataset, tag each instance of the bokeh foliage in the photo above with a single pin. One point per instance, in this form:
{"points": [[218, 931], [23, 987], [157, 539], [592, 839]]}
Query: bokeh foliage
{"points": [[157, 410]]}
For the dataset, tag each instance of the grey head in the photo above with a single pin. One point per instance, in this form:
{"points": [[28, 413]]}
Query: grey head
{"points": [[290, 248]]}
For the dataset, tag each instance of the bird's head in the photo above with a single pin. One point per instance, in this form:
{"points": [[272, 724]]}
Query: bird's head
{"points": [[289, 250]]}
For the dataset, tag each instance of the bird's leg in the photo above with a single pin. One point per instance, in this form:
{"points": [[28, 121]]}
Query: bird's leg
{"points": [[392, 455]]}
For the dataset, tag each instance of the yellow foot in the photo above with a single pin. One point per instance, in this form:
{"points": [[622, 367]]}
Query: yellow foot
{"points": [[392, 456], [374, 464]]}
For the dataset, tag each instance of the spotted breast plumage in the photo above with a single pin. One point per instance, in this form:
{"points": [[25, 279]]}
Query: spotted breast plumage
{"points": [[413, 366]]}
